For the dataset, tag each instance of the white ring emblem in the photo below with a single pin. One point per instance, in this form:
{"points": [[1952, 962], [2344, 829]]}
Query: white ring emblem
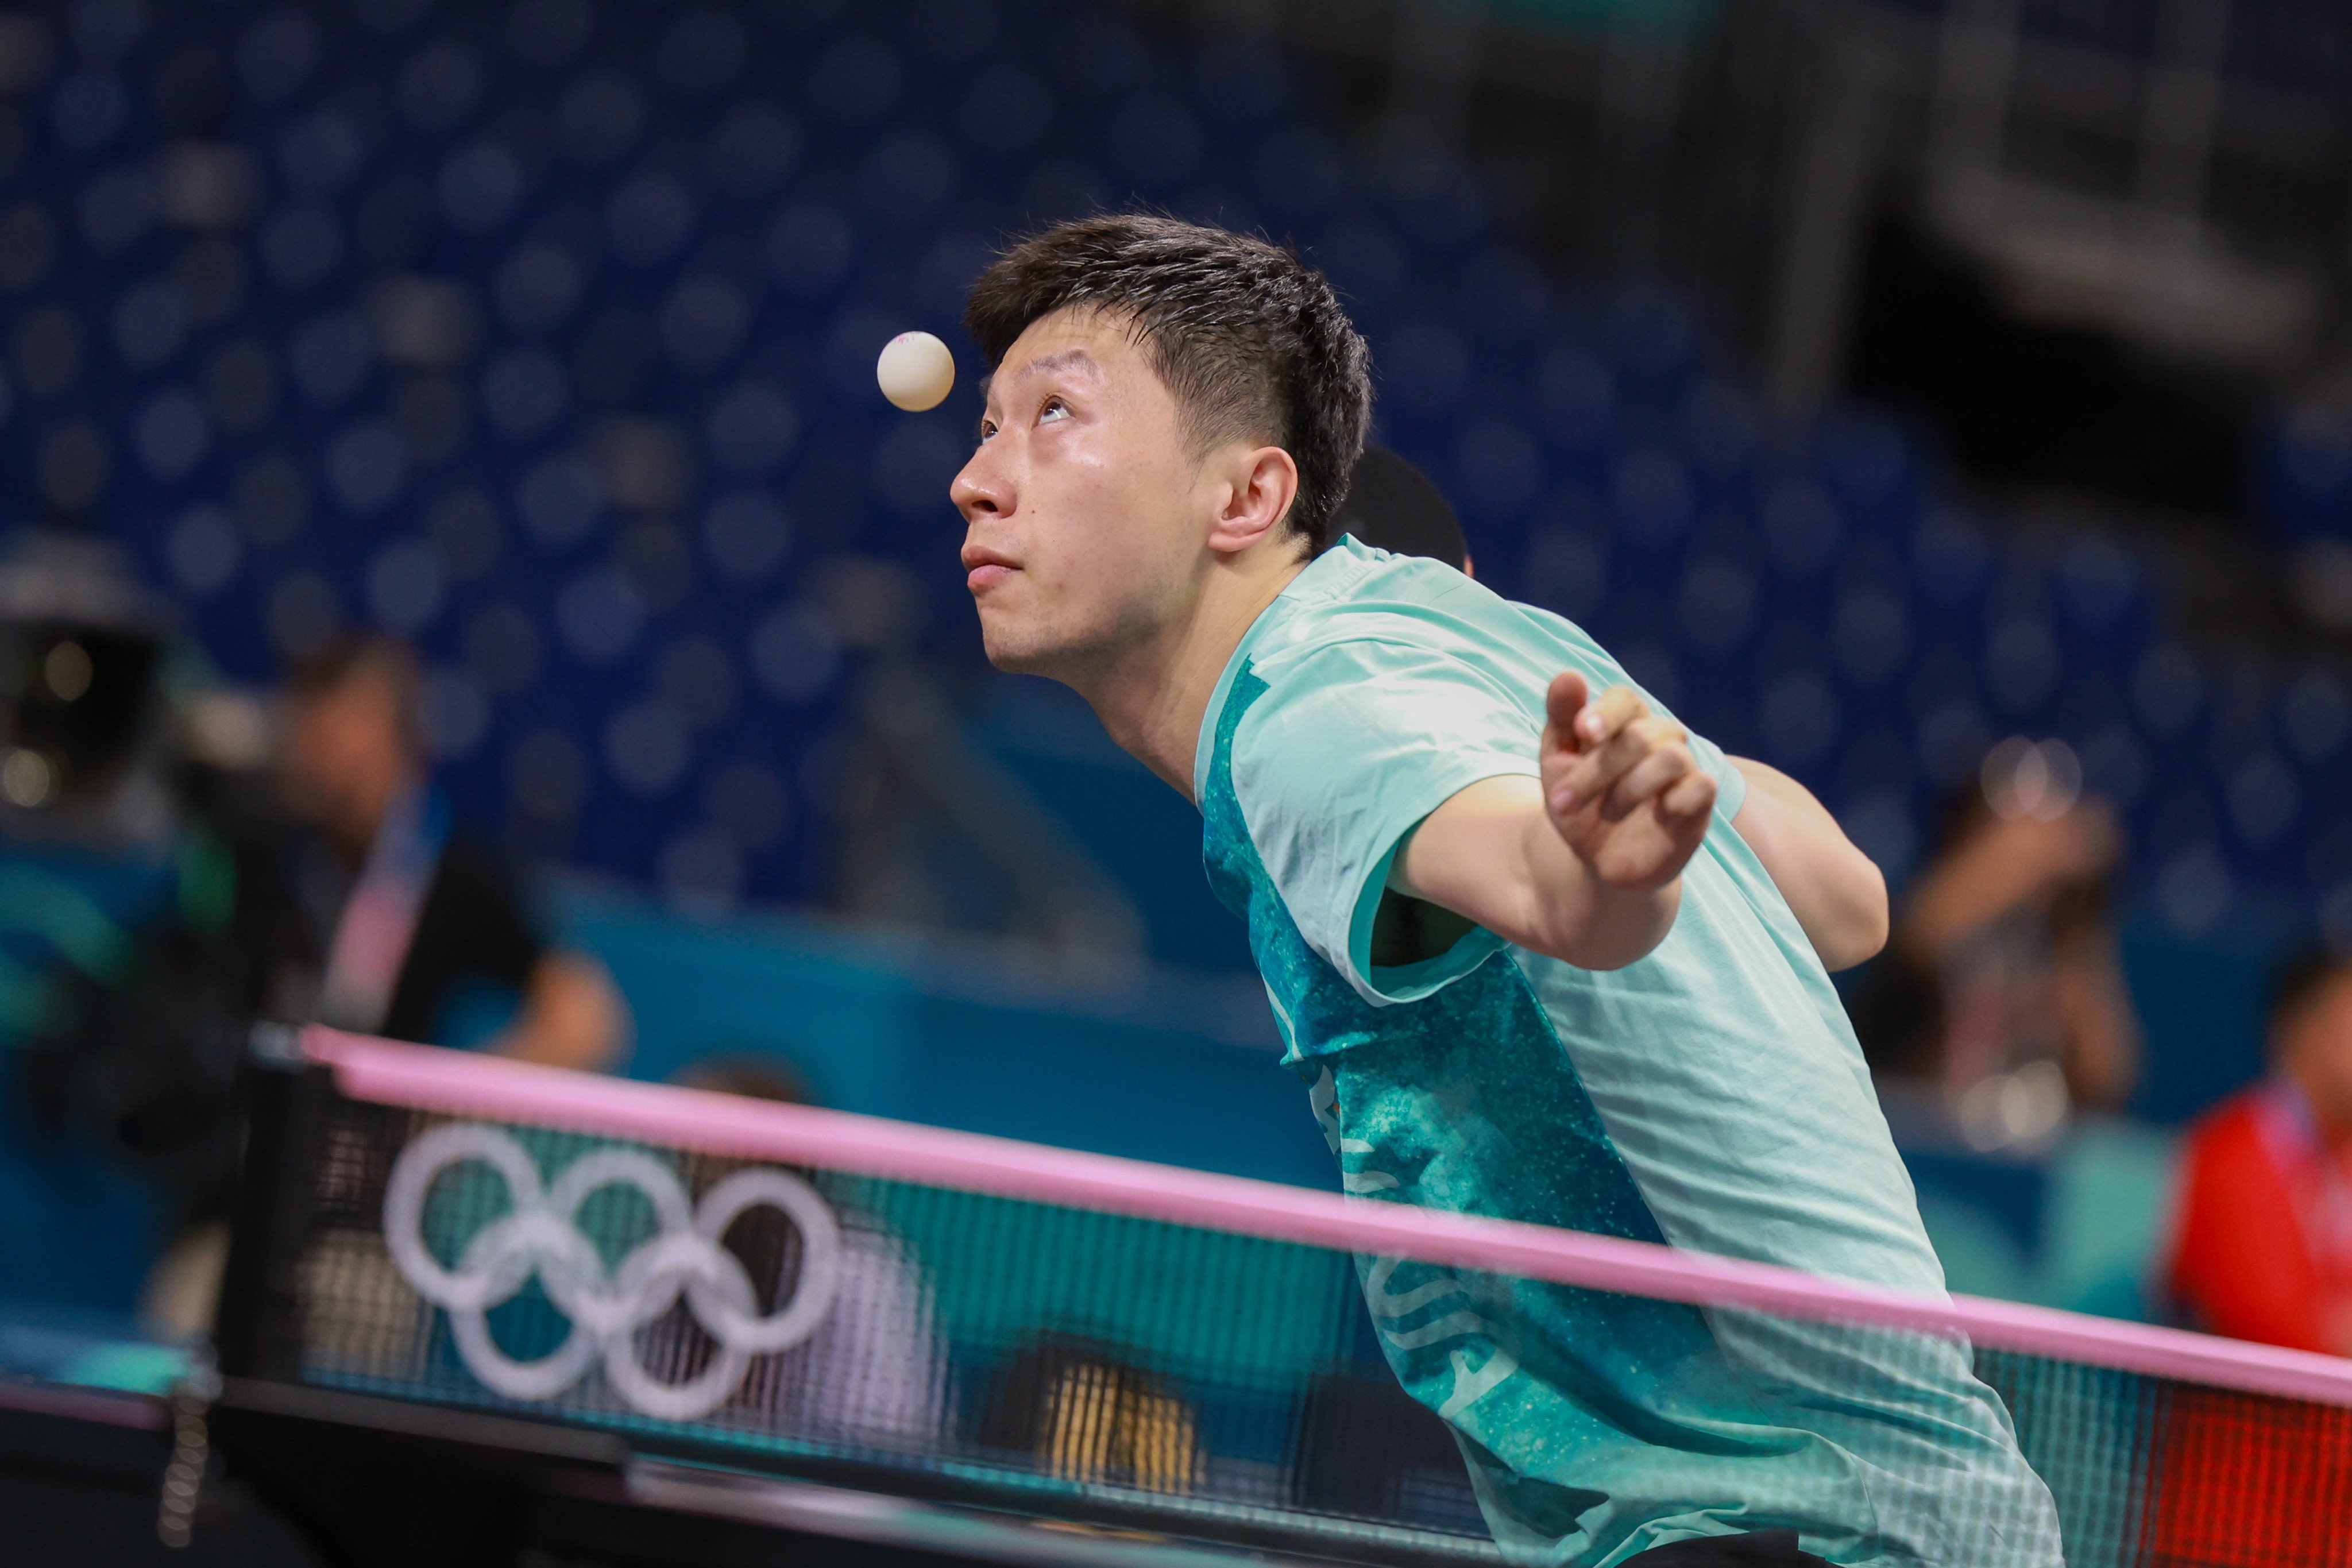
{"points": [[538, 1235]]}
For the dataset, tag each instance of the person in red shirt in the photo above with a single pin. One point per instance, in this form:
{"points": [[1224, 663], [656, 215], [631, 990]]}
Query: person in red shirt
{"points": [[2262, 1228], [2262, 1250]]}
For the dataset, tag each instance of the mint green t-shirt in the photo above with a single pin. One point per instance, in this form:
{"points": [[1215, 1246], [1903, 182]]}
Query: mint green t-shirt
{"points": [[1710, 1095]]}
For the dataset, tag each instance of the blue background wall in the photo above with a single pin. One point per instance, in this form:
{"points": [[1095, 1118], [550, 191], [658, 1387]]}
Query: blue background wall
{"points": [[542, 333]]}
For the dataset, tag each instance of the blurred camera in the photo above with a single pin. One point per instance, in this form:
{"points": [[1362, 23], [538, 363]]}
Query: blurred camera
{"points": [[83, 724]]}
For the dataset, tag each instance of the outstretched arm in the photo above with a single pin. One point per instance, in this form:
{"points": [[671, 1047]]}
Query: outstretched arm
{"points": [[572, 1016], [1585, 862], [1832, 888]]}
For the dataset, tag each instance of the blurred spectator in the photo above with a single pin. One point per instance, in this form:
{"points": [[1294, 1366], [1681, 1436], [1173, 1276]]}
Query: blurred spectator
{"points": [[2262, 1224], [415, 907], [365, 912], [874, 1372], [2001, 990]]}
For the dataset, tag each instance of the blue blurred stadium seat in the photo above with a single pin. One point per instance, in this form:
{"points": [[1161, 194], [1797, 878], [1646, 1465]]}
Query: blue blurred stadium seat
{"points": [[542, 333]]}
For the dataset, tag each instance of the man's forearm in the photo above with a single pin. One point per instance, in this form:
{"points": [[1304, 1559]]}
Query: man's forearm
{"points": [[1492, 856], [1581, 919], [1838, 896], [2100, 1047], [1583, 861]]}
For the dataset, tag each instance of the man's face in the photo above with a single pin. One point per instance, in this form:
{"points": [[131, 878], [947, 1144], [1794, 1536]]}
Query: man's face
{"points": [[345, 758], [1084, 527], [2317, 1046]]}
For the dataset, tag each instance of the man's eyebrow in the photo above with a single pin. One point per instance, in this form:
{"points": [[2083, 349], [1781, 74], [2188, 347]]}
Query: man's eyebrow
{"points": [[1076, 359], [1068, 359]]}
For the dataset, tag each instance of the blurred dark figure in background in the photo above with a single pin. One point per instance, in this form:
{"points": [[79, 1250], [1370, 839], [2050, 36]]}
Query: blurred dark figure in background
{"points": [[754, 1075], [1391, 505], [341, 896], [2001, 990], [1084, 1413], [875, 1370], [416, 907], [139, 1052], [2262, 1227]]}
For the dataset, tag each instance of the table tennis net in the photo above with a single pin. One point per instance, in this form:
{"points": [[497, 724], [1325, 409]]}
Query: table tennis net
{"points": [[968, 1338]]}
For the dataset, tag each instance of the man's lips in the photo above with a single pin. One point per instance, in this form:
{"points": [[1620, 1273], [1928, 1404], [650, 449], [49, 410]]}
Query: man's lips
{"points": [[985, 568]]}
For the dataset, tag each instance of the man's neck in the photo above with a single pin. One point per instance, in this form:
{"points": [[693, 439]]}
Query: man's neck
{"points": [[1154, 698]]}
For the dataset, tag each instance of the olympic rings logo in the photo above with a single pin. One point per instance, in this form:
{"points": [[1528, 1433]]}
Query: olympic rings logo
{"points": [[538, 1235]]}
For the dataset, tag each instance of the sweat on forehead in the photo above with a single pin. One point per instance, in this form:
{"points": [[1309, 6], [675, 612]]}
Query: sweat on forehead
{"points": [[1251, 343]]}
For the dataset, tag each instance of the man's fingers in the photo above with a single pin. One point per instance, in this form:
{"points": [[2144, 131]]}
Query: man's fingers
{"points": [[1693, 795], [1647, 778], [1598, 770], [1608, 715], [1564, 701]]}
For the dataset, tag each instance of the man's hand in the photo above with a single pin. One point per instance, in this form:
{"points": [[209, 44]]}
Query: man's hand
{"points": [[1621, 785], [1584, 863]]}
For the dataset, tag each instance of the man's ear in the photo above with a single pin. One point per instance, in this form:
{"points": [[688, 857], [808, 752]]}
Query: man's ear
{"points": [[1260, 487]]}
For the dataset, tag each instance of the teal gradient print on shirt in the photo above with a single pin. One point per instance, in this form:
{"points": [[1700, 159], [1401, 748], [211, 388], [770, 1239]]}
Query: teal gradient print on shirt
{"points": [[1708, 1097]]}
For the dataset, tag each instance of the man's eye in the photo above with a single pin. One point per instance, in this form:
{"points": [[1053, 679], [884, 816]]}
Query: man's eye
{"points": [[986, 429], [1054, 409]]}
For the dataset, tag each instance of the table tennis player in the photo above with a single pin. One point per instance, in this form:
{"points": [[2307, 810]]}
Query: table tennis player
{"points": [[1520, 958]]}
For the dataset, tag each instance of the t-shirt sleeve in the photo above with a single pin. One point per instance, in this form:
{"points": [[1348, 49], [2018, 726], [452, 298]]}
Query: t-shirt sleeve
{"points": [[1731, 784], [1350, 746]]}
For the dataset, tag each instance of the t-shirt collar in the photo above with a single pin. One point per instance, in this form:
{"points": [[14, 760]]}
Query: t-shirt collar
{"points": [[1323, 567]]}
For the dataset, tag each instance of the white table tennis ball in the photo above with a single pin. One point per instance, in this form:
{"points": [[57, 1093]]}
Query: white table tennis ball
{"points": [[915, 370]]}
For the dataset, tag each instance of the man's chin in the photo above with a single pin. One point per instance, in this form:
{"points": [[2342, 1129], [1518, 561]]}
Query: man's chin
{"points": [[1018, 650], [1015, 659], [1005, 649]]}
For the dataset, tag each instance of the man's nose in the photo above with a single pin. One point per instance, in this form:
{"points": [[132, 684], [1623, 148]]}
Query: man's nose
{"points": [[980, 490]]}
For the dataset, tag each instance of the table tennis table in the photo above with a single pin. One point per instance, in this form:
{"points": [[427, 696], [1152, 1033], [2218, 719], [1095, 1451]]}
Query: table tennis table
{"points": [[302, 1478]]}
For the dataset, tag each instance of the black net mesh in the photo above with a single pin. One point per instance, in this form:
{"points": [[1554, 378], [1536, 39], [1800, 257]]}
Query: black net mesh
{"points": [[937, 1342]]}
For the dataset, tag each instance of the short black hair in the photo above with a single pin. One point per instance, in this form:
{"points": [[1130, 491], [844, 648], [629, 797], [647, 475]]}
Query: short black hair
{"points": [[2298, 983], [1250, 340]]}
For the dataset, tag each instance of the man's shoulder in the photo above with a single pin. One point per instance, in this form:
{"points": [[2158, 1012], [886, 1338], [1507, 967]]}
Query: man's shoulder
{"points": [[1350, 579], [1357, 605], [1367, 654]]}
